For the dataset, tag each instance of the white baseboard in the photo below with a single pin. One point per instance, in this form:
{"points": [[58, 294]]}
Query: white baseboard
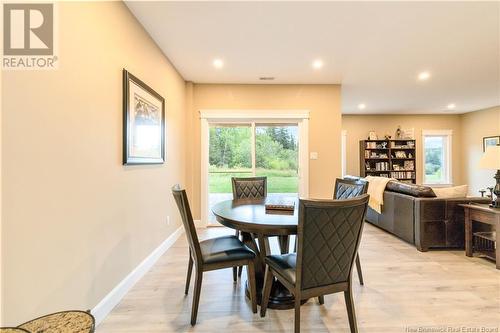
{"points": [[104, 307]]}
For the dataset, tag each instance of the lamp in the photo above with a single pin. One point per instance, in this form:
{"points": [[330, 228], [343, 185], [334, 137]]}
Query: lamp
{"points": [[491, 160]]}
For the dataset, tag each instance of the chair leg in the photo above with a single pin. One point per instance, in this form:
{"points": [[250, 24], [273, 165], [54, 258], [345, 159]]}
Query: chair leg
{"points": [[196, 296], [321, 299], [188, 277], [253, 285], [266, 292], [349, 302], [240, 269], [297, 314], [358, 268], [235, 273]]}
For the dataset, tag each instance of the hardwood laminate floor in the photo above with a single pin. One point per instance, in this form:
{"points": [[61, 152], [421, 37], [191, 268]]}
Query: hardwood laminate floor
{"points": [[405, 291]]}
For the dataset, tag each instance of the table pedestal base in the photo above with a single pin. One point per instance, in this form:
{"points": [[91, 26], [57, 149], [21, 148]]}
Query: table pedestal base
{"points": [[280, 298]]}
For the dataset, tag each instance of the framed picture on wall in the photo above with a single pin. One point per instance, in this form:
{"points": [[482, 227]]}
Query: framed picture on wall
{"points": [[143, 123], [490, 141]]}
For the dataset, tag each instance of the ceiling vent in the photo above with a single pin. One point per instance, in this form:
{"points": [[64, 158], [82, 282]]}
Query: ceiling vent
{"points": [[266, 78]]}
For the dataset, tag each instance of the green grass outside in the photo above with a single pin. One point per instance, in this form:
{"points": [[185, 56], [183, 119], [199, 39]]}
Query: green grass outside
{"points": [[278, 181], [433, 177]]}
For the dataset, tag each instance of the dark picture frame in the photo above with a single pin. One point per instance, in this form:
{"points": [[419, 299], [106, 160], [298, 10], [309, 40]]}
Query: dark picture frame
{"points": [[490, 141], [143, 123]]}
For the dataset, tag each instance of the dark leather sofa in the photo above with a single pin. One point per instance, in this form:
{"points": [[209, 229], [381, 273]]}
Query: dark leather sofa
{"points": [[414, 214]]}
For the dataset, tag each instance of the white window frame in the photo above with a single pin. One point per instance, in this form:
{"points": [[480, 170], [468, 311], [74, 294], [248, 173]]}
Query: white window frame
{"points": [[299, 117], [448, 179]]}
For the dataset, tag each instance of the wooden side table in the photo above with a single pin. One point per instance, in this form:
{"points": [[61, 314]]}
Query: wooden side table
{"points": [[483, 214]]}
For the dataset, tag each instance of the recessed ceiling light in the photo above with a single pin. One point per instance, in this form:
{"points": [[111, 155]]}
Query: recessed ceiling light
{"points": [[218, 63], [362, 106], [451, 106], [317, 64], [423, 76]]}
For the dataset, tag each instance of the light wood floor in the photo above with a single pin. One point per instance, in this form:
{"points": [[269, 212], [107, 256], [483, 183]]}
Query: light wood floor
{"points": [[404, 290]]}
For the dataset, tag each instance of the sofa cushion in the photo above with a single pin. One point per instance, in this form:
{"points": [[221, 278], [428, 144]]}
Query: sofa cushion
{"points": [[418, 191], [451, 192]]}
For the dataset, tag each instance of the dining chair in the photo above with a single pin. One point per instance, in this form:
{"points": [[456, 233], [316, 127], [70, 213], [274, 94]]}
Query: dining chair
{"points": [[212, 254], [329, 232], [73, 321], [247, 188], [346, 188]]}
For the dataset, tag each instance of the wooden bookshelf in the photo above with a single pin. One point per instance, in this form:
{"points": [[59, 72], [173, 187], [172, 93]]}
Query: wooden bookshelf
{"points": [[388, 158]]}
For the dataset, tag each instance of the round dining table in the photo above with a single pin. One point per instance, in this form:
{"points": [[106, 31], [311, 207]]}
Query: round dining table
{"points": [[256, 225]]}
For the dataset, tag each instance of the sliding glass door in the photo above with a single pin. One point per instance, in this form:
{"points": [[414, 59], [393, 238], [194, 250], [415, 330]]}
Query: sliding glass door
{"points": [[252, 149], [276, 156], [230, 155]]}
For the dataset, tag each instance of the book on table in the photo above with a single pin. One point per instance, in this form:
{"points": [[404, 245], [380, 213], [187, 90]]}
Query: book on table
{"points": [[280, 204]]}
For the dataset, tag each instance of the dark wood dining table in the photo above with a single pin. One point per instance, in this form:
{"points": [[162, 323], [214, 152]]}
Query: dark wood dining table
{"points": [[256, 225]]}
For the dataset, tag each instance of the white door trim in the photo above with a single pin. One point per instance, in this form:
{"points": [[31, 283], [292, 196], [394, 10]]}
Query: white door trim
{"points": [[300, 117], [252, 115]]}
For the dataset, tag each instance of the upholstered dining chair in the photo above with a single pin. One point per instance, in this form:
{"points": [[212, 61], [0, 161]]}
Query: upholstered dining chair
{"points": [[347, 188], [212, 254], [329, 232], [247, 188]]}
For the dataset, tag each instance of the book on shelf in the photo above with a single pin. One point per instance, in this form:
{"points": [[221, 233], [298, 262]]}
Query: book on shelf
{"points": [[403, 174]]}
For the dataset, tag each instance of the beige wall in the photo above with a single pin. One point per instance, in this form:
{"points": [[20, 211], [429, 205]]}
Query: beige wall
{"points": [[358, 126], [323, 102], [475, 126], [75, 221]]}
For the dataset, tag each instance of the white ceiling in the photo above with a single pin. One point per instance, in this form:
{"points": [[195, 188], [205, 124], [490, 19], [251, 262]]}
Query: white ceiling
{"points": [[374, 49]]}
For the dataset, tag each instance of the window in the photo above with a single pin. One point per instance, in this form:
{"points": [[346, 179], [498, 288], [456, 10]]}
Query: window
{"points": [[437, 156]]}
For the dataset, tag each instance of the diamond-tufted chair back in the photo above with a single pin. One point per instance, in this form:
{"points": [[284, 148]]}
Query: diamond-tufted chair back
{"points": [[181, 199], [349, 188], [329, 232], [251, 187]]}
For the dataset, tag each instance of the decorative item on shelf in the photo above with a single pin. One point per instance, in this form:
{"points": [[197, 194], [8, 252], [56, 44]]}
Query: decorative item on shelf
{"points": [[387, 137], [489, 141], [410, 155], [491, 192], [491, 160], [483, 191], [400, 154], [143, 123], [384, 145], [372, 135], [408, 165], [398, 135]]}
